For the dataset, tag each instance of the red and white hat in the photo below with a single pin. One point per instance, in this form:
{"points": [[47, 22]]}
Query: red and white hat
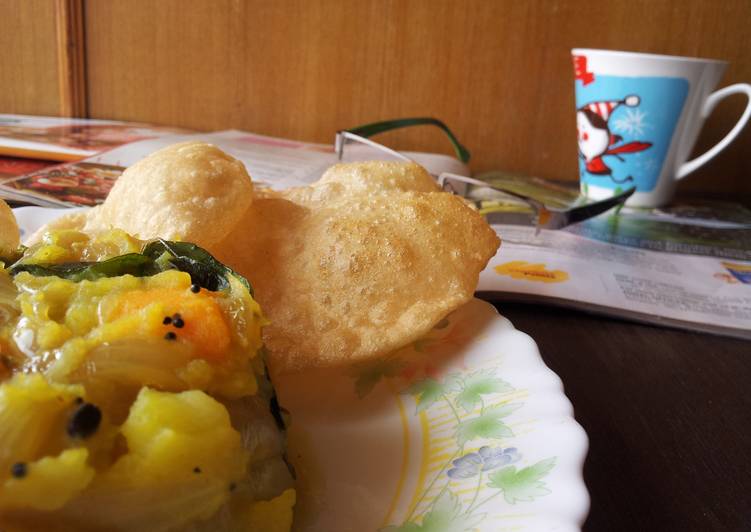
{"points": [[605, 109]]}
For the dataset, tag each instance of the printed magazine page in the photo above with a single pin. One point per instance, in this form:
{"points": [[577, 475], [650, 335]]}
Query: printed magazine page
{"points": [[70, 139], [13, 167], [64, 185], [271, 162], [17, 166], [686, 266], [274, 162]]}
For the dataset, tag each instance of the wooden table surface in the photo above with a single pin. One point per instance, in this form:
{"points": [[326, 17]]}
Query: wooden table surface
{"points": [[668, 415]]}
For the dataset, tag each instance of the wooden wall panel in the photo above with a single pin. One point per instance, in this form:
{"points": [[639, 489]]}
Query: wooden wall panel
{"points": [[28, 57], [498, 72], [71, 58]]}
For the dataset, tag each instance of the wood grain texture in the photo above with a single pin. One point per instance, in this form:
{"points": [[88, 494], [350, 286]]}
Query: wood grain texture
{"points": [[667, 415], [71, 58], [28, 61], [499, 72]]}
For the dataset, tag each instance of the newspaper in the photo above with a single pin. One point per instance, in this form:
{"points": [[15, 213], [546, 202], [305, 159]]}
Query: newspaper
{"points": [[686, 266]]}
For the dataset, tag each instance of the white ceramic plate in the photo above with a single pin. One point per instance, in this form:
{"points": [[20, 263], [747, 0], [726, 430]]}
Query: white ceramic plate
{"points": [[466, 429]]}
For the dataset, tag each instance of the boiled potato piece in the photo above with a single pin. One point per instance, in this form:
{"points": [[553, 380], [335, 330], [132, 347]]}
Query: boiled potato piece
{"points": [[36, 471], [183, 463]]}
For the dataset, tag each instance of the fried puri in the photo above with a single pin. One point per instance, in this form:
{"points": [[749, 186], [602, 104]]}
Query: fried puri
{"points": [[352, 267]]}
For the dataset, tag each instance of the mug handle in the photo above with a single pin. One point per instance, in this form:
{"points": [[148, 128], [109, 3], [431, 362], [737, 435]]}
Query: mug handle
{"points": [[739, 88]]}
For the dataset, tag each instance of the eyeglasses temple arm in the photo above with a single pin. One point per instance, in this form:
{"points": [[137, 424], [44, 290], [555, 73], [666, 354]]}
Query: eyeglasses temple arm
{"points": [[368, 130], [341, 139]]}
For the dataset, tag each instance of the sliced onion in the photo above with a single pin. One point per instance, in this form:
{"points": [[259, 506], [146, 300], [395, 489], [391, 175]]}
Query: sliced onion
{"points": [[136, 363]]}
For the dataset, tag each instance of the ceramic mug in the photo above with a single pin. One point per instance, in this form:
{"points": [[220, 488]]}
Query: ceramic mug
{"points": [[638, 117]]}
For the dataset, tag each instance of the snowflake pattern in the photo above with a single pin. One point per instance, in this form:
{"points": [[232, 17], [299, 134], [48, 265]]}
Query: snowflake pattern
{"points": [[632, 123]]}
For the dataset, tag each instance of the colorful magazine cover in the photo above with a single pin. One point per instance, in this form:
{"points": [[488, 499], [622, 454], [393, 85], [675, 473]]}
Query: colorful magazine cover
{"points": [[65, 185], [11, 167]]}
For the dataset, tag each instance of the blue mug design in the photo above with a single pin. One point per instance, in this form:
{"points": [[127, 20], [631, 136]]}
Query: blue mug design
{"points": [[625, 127], [638, 117]]}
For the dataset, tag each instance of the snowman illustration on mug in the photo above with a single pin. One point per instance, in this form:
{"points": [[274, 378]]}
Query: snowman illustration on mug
{"points": [[596, 141]]}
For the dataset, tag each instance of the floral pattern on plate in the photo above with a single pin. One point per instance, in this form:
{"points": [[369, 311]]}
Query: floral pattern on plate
{"points": [[465, 429]]}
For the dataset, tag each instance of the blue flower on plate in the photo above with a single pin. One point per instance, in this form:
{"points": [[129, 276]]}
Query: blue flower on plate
{"points": [[485, 459]]}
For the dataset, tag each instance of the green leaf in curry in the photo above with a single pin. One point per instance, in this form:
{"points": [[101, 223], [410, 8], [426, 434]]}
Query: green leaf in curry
{"points": [[132, 263], [155, 257], [203, 268]]}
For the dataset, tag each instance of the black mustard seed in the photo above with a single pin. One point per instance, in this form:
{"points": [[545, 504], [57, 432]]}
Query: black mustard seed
{"points": [[19, 469], [85, 421]]}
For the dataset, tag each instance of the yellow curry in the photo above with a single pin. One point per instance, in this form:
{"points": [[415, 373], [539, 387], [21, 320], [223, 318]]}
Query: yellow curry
{"points": [[133, 392]]}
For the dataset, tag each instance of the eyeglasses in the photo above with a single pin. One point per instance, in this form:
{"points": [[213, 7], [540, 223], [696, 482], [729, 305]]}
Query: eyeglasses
{"points": [[354, 144]]}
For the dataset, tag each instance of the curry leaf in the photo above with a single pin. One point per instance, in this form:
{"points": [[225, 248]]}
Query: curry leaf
{"points": [[203, 268], [132, 263], [155, 257], [524, 484]]}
